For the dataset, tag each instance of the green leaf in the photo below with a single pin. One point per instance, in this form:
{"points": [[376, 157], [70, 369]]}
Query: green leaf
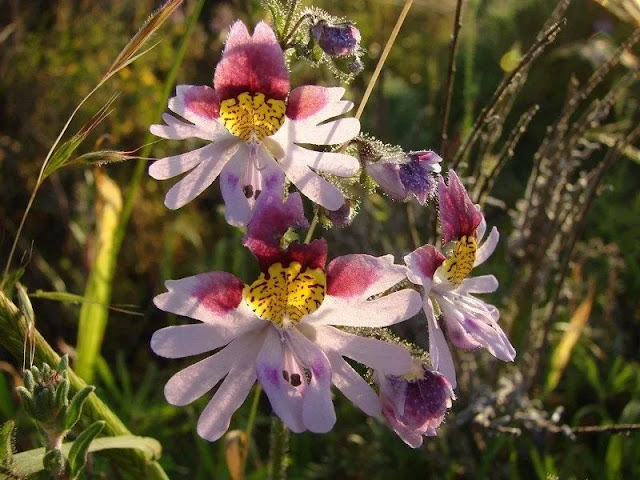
{"points": [[93, 315], [6, 443], [30, 462], [78, 453], [614, 457], [75, 406], [62, 394], [54, 462]]}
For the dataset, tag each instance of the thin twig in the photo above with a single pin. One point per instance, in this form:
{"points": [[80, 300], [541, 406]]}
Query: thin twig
{"points": [[531, 55], [566, 429], [383, 57], [457, 25]]}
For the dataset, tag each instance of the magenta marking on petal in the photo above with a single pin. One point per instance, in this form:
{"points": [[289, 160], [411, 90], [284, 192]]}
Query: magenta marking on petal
{"points": [[425, 260], [252, 64], [306, 100], [458, 214], [309, 255], [219, 292], [349, 276], [202, 101]]}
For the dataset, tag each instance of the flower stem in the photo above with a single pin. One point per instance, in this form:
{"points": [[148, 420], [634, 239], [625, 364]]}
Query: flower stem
{"points": [[312, 228], [278, 449]]}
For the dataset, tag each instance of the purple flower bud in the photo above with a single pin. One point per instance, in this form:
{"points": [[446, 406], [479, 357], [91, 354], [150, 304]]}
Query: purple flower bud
{"points": [[415, 404], [336, 40], [341, 217], [414, 177], [459, 216]]}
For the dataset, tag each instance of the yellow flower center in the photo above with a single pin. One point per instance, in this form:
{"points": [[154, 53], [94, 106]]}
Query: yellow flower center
{"points": [[252, 117], [460, 262], [284, 295]]}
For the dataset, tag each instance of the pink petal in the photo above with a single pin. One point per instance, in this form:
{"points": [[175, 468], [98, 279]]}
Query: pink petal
{"points": [[187, 340], [487, 248], [285, 400], [312, 104], [309, 255], [387, 175], [252, 64], [194, 381], [194, 183], [439, 352], [353, 386], [316, 188], [423, 263], [270, 221], [213, 298], [381, 312], [383, 356], [216, 417], [362, 276], [458, 214], [197, 104], [318, 413]]}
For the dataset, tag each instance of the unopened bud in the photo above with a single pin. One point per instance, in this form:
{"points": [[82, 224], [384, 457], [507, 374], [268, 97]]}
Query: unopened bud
{"points": [[336, 40]]}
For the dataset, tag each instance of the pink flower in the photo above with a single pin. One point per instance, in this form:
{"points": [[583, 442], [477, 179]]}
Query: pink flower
{"points": [[470, 322], [255, 128], [415, 403], [280, 329], [413, 178]]}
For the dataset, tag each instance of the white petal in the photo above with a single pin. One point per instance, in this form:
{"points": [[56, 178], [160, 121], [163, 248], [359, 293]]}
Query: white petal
{"points": [[194, 381], [338, 164], [481, 284], [381, 312], [194, 183], [318, 413], [439, 352], [487, 248], [331, 133], [383, 356], [187, 340], [237, 208], [170, 167], [176, 129], [353, 386]]}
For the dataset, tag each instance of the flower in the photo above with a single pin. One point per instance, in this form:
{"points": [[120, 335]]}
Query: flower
{"points": [[254, 126], [470, 322], [415, 403], [414, 177], [280, 329], [336, 40]]}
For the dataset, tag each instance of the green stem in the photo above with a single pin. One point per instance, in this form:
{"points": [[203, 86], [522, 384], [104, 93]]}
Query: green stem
{"points": [[312, 227], [254, 410], [278, 449], [13, 327]]}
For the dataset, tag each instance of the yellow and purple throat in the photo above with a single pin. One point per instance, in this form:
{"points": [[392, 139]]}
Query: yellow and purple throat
{"points": [[460, 263], [284, 295], [252, 117]]}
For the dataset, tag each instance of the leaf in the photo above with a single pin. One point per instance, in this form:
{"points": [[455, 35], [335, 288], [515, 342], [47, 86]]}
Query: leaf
{"points": [[78, 453], [614, 457], [75, 406], [30, 462], [93, 316], [6, 443], [66, 297], [562, 352]]}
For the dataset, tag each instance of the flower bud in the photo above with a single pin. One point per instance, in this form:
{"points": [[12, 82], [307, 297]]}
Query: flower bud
{"points": [[336, 40], [415, 404]]}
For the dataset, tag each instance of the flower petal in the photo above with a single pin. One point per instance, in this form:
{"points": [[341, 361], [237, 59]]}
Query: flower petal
{"points": [[270, 221], [213, 298], [458, 214], [198, 104], [285, 400], [330, 133], [315, 104], [194, 183], [381, 312], [353, 386], [316, 188], [362, 276], [178, 130], [337, 164], [487, 248], [383, 356], [318, 413], [423, 263], [187, 340], [194, 381], [175, 165], [439, 352], [237, 209], [216, 417], [253, 64], [387, 175], [481, 284]]}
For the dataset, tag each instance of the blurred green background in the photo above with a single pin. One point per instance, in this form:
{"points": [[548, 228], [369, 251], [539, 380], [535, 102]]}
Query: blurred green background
{"points": [[53, 53]]}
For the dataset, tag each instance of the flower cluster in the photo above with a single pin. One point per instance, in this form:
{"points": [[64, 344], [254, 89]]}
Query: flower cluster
{"points": [[292, 328]]}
